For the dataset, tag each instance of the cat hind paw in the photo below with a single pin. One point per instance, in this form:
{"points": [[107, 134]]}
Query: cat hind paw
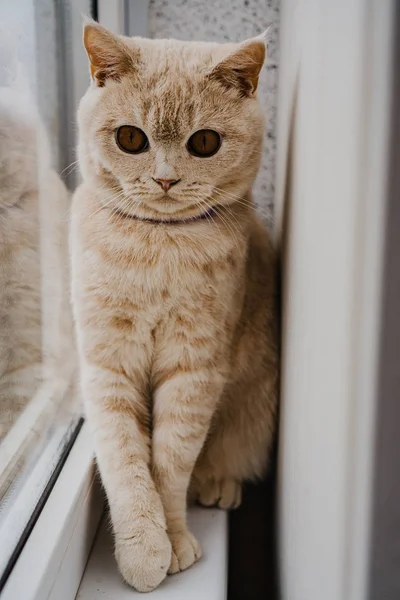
{"points": [[224, 493]]}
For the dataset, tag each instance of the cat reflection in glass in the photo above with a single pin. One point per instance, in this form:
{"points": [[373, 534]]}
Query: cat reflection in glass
{"points": [[34, 313]]}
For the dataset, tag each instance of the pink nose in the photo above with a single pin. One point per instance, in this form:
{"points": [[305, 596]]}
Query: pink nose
{"points": [[166, 183]]}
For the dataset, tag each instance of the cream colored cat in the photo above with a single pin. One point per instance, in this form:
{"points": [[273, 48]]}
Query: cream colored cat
{"points": [[173, 287]]}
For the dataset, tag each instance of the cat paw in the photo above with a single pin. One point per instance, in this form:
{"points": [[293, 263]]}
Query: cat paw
{"points": [[224, 493], [144, 558], [185, 551]]}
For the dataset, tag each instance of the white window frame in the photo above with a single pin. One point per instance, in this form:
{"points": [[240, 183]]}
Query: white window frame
{"points": [[51, 564], [333, 177]]}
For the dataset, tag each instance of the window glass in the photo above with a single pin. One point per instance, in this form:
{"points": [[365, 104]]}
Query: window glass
{"points": [[40, 81]]}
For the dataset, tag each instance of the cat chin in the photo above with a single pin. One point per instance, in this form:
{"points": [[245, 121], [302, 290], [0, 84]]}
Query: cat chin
{"points": [[166, 217], [160, 210]]}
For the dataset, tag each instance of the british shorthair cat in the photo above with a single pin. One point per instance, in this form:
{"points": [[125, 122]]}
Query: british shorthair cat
{"points": [[173, 287]]}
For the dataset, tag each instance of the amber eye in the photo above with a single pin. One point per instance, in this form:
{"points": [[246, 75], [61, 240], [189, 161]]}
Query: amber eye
{"points": [[131, 139], [204, 142]]}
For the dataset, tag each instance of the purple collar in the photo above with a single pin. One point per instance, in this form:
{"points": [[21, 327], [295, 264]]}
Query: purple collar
{"points": [[209, 213]]}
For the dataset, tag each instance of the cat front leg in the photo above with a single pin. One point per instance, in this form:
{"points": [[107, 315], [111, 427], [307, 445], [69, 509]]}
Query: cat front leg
{"points": [[183, 407], [118, 414]]}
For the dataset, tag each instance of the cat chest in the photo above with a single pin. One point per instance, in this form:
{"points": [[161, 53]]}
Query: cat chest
{"points": [[154, 298], [156, 294], [151, 277], [148, 296], [144, 317]]}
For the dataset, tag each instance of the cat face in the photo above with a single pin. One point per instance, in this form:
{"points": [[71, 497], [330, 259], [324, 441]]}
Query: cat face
{"points": [[170, 128]]}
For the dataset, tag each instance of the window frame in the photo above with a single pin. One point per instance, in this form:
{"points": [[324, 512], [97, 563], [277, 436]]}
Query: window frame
{"points": [[333, 194], [52, 562]]}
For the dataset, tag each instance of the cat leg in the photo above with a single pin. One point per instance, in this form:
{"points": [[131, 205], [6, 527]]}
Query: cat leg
{"points": [[224, 492], [238, 446], [183, 407], [118, 414]]}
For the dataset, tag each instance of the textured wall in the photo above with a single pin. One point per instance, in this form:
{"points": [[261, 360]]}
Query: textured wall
{"points": [[230, 20]]}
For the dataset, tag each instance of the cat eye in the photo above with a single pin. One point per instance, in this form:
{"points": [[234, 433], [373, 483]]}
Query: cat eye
{"points": [[131, 139], [204, 143]]}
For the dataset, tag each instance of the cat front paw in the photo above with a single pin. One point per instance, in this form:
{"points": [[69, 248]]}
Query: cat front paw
{"points": [[144, 558], [186, 550], [224, 493]]}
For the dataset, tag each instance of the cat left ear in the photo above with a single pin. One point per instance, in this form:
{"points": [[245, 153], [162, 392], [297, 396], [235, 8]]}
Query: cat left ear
{"points": [[109, 57], [242, 67]]}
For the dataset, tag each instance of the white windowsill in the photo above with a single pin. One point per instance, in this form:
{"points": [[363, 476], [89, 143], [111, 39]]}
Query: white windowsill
{"points": [[207, 579], [52, 561]]}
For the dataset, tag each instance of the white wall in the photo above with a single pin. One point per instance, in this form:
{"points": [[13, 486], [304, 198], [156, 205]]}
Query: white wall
{"points": [[331, 199]]}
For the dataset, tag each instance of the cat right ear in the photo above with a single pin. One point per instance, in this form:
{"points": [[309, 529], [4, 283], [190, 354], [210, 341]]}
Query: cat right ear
{"points": [[108, 55], [241, 68]]}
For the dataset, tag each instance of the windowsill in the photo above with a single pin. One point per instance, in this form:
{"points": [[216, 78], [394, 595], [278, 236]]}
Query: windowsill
{"points": [[53, 559], [205, 579]]}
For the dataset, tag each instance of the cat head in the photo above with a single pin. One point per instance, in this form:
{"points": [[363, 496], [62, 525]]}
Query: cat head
{"points": [[169, 129]]}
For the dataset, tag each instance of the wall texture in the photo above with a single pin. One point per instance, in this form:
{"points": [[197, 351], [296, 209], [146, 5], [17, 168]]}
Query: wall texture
{"points": [[231, 20]]}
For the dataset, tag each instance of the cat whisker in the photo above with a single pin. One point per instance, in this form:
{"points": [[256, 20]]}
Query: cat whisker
{"points": [[69, 168], [244, 202], [233, 196], [234, 231], [126, 204], [240, 199], [228, 207], [103, 205], [200, 204]]}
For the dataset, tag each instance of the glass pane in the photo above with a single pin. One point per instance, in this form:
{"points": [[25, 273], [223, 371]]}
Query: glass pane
{"points": [[39, 406]]}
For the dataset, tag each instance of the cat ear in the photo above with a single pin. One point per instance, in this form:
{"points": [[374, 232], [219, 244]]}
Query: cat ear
{"points": [[242, 67], [267, 34], [109, 57]]}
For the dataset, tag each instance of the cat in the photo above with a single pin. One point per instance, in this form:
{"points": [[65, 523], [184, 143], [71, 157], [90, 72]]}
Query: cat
{"points": [[35, 324], [173, 287]]}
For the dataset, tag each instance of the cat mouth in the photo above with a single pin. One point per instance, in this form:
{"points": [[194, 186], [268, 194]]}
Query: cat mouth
{"points": [[206, 215]]}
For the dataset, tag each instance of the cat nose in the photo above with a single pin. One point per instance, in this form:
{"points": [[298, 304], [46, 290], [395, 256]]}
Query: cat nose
{"points": [[166, 183]]}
